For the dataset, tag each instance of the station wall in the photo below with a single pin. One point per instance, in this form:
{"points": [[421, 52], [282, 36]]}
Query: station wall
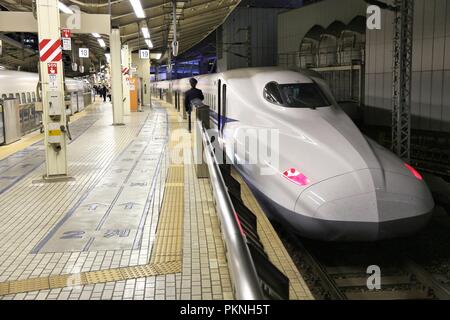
{"points": [[431, 68], [294, 24], [431, 57], [234, 51]]}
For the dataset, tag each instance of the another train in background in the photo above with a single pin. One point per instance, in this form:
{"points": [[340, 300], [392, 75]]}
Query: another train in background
{"points": [[24, 87]]}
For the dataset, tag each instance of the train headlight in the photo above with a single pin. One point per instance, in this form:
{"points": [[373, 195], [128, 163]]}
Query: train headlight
{"points": [[414, 172], [296, 176]]}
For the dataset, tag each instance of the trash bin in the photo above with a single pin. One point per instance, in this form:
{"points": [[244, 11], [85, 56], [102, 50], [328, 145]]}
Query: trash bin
{"points": [[11, 120]]}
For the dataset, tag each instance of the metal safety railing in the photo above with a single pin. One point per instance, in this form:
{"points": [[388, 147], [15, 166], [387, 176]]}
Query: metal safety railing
{"points": [[243, 273]]}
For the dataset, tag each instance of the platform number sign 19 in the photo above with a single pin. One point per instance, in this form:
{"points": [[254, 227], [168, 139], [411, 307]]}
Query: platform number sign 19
{"points": [[83, 52], [144, 54]]}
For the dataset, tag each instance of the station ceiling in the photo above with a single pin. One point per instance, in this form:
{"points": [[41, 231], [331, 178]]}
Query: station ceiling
{"points": [[196, 19]]}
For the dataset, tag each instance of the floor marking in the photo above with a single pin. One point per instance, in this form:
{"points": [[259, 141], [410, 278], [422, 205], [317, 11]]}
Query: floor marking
{"points": [[166, 257], [89, 278], [32, 157], [72, 211]]}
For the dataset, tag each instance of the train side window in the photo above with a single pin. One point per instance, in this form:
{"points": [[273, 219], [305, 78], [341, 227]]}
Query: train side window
{"points": [[28, 97], [23, 99], [11, 95], [33, 95], [4, 96]]}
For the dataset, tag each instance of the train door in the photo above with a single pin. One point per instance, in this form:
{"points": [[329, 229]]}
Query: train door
{"points": [[223, 116], [219, 103]]}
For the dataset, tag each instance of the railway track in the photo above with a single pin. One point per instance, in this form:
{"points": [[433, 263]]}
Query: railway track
{"points": [[340, 271]]}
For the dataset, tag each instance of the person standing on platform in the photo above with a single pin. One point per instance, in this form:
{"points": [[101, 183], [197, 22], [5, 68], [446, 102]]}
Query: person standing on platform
{"points": [[190, 95], [104, 91]]}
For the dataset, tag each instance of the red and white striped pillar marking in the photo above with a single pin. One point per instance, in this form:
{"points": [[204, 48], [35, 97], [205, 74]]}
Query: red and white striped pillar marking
{"points": [[50, 50]]}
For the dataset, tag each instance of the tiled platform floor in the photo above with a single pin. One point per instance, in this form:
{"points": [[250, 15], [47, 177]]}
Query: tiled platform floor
{"points": [[116, 232], [41, 223]]}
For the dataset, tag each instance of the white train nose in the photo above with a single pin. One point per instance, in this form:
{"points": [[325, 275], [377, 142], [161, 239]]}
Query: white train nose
{"points": [[365, 205]]}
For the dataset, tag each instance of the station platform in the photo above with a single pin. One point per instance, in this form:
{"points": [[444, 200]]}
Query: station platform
{"points": [[130, 225]]}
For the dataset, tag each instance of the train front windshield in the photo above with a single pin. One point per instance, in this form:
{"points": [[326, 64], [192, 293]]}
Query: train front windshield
{"points": [[296, 95]]}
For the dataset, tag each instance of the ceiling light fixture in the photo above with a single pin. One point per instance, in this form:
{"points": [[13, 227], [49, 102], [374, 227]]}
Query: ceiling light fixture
{"points": [[64, 8], [137, 7], [145, 32], [101, 42], [149, 43]]}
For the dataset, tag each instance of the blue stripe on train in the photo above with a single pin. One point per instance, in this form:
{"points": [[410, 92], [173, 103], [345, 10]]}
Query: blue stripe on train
{"points": [[213, 116]]}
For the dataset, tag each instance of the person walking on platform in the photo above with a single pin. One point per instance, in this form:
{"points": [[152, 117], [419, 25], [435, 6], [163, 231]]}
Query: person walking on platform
{"points": [[190, 95], [104, 91]]}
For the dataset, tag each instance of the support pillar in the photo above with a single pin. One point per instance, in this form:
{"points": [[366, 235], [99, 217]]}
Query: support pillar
{"points": [[126, 85], [402, 77], [143, 72], [54, 111], [116, 77]]}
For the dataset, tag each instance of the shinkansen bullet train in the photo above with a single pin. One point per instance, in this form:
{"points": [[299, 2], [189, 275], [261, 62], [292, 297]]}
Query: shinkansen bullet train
{"points": [[23, 86], [331, 182]]}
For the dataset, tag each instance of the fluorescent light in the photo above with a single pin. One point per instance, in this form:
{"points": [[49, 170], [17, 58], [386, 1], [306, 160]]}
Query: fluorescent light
{"points": [[156, 56], [149, 43], [64, 8], [145, 32], [96, 35], [137, 7], [101, 42]]}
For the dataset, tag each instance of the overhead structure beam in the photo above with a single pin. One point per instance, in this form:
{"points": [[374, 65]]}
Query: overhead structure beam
{"points": [[402, 71], [25, 22]]}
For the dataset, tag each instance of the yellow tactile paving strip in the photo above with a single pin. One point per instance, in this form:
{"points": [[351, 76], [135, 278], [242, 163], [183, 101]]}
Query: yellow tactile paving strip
{"points": [[31, 138], [205, 272], [88, 278], [166, 257], [169, 241], [298, 290]]}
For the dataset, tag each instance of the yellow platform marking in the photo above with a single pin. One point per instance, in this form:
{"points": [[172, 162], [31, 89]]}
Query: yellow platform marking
{"points": [[169, 242], [31, 138], [278, 255], [89, 278], [166, 257]]}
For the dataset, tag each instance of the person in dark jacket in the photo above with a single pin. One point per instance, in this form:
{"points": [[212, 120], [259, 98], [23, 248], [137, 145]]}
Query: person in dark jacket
{"points": [[104, 92], [190, 95]]}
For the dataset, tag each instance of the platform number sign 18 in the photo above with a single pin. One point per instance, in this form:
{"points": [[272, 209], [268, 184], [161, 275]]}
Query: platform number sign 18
{"points": [[144, 54], [83, 52]]}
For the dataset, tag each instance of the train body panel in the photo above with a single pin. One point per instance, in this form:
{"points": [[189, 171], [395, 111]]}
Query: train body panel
{"points": [[345, 186], [23, 85]]}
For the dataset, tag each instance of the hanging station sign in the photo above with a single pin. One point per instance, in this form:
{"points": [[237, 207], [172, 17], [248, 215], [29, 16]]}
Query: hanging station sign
{"points": [[144, 54], [83, 52]]}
